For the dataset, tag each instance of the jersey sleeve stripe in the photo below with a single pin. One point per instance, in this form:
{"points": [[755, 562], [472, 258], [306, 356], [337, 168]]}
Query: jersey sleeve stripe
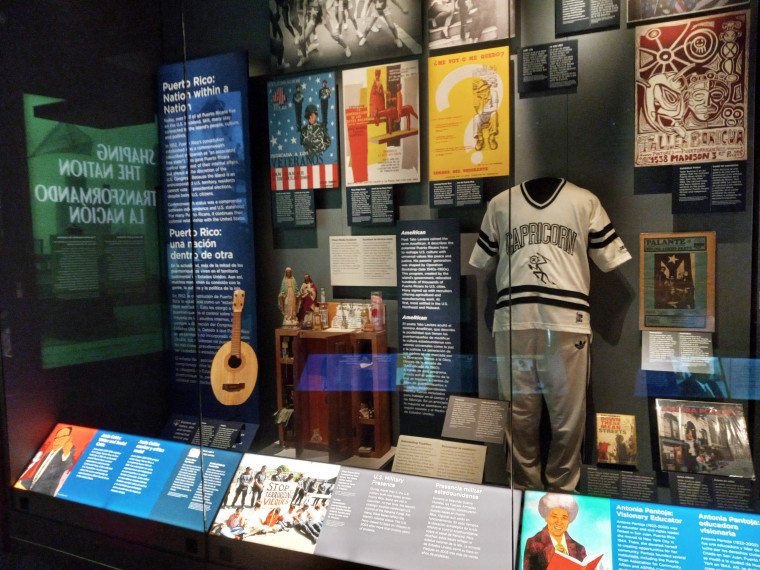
{"points": [[487, 250], [518, 289], [491, 243], [543, 301], [601, 233], [604, 243]]}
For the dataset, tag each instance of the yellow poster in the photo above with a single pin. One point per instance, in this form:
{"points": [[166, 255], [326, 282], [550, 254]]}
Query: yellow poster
{"points": [[469, 114]]}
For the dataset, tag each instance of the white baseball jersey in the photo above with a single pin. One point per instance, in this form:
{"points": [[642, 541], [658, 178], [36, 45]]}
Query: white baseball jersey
{"points": [[542, 250]]}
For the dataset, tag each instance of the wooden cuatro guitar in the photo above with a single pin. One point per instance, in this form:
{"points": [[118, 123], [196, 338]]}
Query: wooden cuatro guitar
{"points": [[235, 367]]}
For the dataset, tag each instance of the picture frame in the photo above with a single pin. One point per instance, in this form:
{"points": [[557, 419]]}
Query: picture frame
{"points": [[677, 281], [640, 11]]}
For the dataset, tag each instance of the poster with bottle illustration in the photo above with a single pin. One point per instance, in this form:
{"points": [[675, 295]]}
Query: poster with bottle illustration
{"points": [[381, 124]]}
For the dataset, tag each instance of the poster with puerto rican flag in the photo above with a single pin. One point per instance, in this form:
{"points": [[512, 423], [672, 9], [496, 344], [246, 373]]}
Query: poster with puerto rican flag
{"points": [[303, 145]]}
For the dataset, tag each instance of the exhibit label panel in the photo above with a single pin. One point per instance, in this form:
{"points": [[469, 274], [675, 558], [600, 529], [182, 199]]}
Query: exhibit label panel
{"points": [[468, 118], [370, 206], [431, 368], [429, 523], [209, 223], [705, 188], [95, 228], [573, 16], [143, 477], [369, 261], [641, 536], [548, 66], [355, 514]]}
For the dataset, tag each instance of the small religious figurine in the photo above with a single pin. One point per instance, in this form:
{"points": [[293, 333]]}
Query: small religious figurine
{"points": [[288, 300], [307, 296]]}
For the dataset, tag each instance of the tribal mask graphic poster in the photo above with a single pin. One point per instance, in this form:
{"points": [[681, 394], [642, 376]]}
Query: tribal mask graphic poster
{"points": [[381, 106], [691, 90], [303, 146]]}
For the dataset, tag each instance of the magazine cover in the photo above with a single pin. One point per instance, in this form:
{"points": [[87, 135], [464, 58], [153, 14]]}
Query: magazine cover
{"points": [[277, 502], [677, 281], [691, 90], [303, 146], [703, 437], [382, 124], [616, 439]]}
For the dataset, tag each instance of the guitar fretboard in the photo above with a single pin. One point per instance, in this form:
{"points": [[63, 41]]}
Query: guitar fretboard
{"points": [[236, 321]]}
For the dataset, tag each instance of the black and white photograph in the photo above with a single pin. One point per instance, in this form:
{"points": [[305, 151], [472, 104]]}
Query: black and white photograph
{"points": [[640, 10], [312, 34], [462, 22]]}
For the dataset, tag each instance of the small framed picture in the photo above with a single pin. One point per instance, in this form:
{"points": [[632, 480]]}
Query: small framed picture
{"points": [[677, 282]]}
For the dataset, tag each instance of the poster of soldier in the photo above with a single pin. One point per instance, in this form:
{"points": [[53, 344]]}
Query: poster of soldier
{"points": [[303, 146], [311, 34], [691, 90], [381, 124]]}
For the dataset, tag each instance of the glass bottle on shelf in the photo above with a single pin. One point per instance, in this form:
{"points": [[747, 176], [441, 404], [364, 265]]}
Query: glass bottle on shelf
{"points": [[323, 309], [376, 314], [284, 348], [366, 320]]}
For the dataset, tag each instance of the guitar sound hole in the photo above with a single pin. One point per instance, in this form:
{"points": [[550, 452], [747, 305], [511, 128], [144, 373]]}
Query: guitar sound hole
{"points": [[234, 361]]}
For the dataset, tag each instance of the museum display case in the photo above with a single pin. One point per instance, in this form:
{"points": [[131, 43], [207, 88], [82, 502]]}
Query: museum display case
{"points": [[381, 284]]}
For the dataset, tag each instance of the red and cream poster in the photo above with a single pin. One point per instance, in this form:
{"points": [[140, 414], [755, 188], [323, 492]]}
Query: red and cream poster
{"points": [[381, 126], [691, 90]]}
